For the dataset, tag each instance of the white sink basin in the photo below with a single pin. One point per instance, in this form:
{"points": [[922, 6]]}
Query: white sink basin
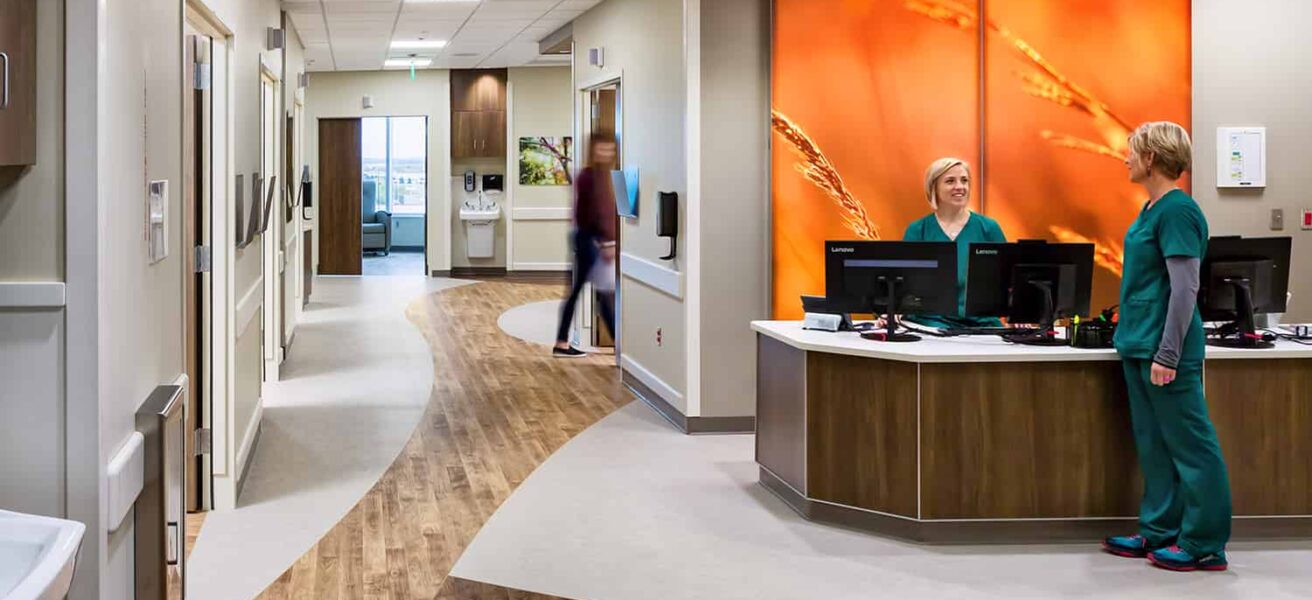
{"points": [[474, 214], [37, 556]]}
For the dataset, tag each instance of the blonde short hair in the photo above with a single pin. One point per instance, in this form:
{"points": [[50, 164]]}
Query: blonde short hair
{"points": [[935, 171], [1169, 145]]}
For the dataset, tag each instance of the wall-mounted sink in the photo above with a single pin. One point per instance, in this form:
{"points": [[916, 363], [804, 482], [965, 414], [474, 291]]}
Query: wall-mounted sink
{"points": [[37, 556]]}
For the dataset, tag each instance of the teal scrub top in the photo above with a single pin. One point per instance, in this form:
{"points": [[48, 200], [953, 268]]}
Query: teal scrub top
{"points": [[1174, 226], [979, 228]]}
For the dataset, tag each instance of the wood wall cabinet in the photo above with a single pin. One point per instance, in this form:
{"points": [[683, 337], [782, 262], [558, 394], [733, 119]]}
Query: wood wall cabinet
{"points": [[478, 113], [17, 82]]}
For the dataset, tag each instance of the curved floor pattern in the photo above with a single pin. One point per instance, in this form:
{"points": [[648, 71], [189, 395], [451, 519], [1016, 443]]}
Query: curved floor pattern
{"points": [[535, 323], [633, 510], [498, 408], [354, 387]]}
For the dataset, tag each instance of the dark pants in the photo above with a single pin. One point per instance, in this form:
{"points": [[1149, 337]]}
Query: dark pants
{"points": [[586, 255]]}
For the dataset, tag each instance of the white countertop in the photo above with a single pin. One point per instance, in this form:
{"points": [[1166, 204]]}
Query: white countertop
{"points": [[975, 348]]}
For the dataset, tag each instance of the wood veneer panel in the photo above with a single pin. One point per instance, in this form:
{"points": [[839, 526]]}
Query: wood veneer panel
{"points": [[861, 432], [1026, 440], [1262, 410], [340, 197], [18, 119], [781, 410]]}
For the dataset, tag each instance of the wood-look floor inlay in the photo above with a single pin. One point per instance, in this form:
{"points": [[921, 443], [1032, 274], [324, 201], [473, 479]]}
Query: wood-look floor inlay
{"points": [[499, 407]]}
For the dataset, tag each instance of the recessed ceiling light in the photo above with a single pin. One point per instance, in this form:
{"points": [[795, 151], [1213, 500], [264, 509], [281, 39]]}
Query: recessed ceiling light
{"points": [[407, 62], [417, 44]]}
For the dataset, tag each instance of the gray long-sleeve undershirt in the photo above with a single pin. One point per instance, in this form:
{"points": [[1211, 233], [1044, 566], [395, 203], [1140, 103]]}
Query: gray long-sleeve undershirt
{"points": [[1183, 272]]}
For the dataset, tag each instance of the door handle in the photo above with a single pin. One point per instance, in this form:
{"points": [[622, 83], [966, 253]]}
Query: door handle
{"points": [[4, 102]]}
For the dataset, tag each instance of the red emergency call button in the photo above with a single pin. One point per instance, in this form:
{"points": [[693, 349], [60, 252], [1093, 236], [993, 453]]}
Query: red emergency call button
{"points": [[1307, 219]]}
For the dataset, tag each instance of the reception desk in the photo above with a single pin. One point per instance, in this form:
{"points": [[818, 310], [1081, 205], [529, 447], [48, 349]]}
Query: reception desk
{"points": [[973, 439]]}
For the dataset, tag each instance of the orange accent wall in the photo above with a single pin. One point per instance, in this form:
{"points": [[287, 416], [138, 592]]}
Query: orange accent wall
{"points": [[867, 93]]}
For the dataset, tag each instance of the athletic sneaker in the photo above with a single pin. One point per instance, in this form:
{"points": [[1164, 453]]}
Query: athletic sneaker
{"points": [[570, 352], [1129, 546], [1176, 559]]}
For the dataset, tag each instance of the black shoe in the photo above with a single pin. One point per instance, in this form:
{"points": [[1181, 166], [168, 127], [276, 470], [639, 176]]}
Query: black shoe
{"points": [[570, 352]]}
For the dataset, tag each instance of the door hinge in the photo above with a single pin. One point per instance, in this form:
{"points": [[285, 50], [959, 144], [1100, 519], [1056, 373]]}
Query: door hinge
{"points": [[203, 441], [202, 81], [204, 259]]}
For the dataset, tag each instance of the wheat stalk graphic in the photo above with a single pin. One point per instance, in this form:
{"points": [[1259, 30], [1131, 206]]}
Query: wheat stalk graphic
{"points": [[817, 169], [1106, 254]]}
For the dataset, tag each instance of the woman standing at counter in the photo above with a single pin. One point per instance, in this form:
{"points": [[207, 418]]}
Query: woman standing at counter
{"points": [[947, 187], [1184, 517]]}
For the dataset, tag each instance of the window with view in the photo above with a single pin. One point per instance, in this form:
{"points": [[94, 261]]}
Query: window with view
{"points": [[395, 151]]}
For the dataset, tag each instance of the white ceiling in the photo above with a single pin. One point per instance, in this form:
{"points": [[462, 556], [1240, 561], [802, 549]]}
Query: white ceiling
{"points": [[356, 35]]}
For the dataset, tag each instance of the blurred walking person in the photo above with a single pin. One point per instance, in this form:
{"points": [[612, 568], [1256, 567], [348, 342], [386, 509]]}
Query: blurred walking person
{"points": [[593, 241]]}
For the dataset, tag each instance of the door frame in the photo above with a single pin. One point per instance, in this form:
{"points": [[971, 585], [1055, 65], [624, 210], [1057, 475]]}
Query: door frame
{"points": [[271, 115], [583, 320]]}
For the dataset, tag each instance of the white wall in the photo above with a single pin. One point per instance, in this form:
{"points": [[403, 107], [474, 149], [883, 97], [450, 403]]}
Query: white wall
{"points": [[643, 41], [1250, 70], [140, 304], [337, 95], [734, 202], [542, 104]]}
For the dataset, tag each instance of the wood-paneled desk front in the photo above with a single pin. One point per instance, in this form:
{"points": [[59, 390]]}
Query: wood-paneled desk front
{"points": [[973, 439]]}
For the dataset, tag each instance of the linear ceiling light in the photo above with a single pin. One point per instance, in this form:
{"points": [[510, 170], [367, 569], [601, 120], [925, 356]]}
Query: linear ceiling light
{"points": [[417, 44], [408, 62]]}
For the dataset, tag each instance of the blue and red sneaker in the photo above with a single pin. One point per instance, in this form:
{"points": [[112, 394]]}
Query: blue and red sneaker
{"points": [[1129, 546], [1176, 559]]}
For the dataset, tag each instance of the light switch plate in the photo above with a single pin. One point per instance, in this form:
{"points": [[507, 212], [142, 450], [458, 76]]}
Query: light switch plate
{"points": [[1277, 219]]}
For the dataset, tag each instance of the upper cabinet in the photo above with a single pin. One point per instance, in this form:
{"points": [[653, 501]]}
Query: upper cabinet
{"points": [[478, 113], [17, 82], [478, 89]]}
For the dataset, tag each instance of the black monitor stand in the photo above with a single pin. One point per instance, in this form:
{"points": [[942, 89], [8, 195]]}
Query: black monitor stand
{"points": [[1046, 334], [1242, 332], [890, 320]]}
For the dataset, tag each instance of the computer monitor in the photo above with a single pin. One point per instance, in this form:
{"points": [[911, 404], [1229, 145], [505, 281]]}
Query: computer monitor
{"points": [[1240, 278], [892, 278], [1030, 282]]}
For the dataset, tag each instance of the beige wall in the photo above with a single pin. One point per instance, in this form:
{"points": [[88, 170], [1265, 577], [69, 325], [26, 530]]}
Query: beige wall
{"points": [[542, 105], [140, 304], [340, 95], [643, 41], [32, 199], [1249, 70], [735, 200], [459, 249]]}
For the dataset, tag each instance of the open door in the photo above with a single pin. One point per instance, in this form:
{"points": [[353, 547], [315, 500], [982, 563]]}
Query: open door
{"points": [[605, 118], [340, 196], [196, 247]]}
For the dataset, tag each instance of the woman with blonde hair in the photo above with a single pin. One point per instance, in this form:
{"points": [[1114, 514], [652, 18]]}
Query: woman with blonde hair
{"points": [[1184, 515], [947, 188]]}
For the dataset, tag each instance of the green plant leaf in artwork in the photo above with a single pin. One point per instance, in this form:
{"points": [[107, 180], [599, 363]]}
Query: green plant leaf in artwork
{"points": [[545, 160]]}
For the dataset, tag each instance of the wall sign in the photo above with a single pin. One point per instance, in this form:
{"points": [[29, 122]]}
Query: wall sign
{"points": [[1240, 157]]}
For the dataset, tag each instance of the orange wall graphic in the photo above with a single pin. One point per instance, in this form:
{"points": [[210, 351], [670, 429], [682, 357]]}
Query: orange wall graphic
{"points": [[1039, 96]]}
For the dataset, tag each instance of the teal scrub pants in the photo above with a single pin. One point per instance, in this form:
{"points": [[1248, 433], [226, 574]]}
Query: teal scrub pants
{"points": [[1186, 491]]}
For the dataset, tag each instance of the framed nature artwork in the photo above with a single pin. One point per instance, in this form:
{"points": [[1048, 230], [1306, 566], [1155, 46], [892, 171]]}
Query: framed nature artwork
{"points": [[545, 160]]}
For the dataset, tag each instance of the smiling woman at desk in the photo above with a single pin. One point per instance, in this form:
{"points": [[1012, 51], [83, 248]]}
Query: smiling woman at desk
{"points": [[947, 187]]}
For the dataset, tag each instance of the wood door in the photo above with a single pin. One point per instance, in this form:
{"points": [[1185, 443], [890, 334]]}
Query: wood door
{"points": [[464, 134], [18, 82], [340, 181]]}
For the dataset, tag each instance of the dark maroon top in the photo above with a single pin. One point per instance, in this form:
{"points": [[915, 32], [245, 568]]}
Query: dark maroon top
{"points": [[594, 204]]}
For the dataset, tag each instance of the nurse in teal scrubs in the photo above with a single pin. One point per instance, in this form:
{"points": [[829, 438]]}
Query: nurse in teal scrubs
{"points": [[947, 187], [1184, 516]]}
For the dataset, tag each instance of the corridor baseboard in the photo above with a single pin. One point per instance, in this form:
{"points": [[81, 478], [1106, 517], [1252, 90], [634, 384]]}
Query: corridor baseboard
{"points": [[478, 272], [684, 423]]}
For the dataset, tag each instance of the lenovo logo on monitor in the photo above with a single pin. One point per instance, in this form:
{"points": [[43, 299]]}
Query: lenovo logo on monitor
{"points": [[842, 249], [985, 252]]}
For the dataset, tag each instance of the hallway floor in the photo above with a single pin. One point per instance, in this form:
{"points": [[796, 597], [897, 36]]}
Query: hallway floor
{"points": [[398, 262]]}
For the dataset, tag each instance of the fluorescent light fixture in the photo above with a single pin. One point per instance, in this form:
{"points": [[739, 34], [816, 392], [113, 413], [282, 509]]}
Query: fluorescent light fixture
{"points": [[417, 44], [407, 62]]}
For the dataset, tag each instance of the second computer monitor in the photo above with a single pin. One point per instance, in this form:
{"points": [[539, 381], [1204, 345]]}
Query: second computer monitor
{"points": [[1030, 281]]}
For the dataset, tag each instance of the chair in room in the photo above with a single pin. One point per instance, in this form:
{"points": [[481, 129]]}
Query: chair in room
{"points": [[376, 228]]}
